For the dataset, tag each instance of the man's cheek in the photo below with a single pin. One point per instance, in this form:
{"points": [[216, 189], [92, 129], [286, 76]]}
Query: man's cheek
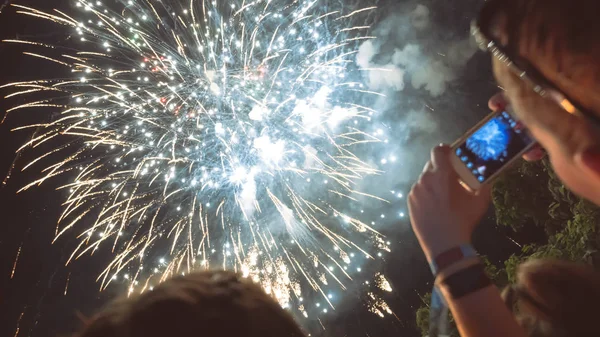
{"points": [[571, 176], [522, 112], [501, 72]]}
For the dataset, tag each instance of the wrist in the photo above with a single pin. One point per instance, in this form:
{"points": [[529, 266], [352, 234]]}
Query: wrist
{"points": [[433, 246], [456, 267]]}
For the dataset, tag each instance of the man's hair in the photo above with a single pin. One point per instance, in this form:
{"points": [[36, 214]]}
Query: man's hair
{"points": [[212, 303], [567, 297], [552, 26]]}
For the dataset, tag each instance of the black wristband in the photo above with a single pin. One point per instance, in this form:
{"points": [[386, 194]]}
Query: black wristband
{"points": [[467, 281]]}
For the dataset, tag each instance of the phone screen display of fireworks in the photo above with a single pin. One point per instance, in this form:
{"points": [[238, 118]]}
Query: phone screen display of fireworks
{"points": [[493, 145]]}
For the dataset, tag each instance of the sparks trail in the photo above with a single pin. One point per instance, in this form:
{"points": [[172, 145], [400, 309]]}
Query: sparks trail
{"points": [[18, 327], [204, 134], [12, 273], [67, 284]]}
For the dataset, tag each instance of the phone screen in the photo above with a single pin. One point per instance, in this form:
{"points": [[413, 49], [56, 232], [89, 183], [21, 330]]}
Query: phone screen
{"points": [[493, 145]]}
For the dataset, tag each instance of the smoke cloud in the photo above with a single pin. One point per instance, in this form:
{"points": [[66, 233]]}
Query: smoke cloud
{"points": [[409, 50], [416, 61]]}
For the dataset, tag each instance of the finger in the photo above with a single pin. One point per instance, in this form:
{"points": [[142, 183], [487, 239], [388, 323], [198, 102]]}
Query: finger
{"points": [[484, 192], [497, 102], [440, 159], [428, 167], [535, 154], [416, 194], [482, 196], [426, 183]]}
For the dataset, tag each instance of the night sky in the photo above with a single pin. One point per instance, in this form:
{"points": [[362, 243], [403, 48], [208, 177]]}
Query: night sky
{"points": [[33, 300]]}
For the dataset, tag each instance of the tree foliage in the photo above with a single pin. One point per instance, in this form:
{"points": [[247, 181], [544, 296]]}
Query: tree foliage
{"points": [[423, 314], [571, 223], [423, 318], [531, 194]]}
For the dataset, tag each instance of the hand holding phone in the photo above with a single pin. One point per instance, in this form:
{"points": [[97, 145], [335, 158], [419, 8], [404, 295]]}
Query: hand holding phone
{"points": [[444, 214], [489, 148]]}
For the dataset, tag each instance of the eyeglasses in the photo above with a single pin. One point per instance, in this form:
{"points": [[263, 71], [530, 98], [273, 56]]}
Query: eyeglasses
{"points": [[526, 71]]}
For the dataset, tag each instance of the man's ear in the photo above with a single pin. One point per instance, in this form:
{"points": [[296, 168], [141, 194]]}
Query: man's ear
{"points": [[498, 28]]}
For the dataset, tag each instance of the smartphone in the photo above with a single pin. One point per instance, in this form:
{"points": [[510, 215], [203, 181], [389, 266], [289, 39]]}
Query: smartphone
{"points": [[489, 148]]}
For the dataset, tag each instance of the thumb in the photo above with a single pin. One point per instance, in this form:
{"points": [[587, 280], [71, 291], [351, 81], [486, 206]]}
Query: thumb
{"points": [[440, 158]]}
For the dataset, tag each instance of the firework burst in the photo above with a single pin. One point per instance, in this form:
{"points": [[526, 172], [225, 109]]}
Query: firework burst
{"points": [[209, 134]]}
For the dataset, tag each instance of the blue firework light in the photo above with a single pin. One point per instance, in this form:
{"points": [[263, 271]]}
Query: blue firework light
{"points": [[491, 141], [212, 134]]}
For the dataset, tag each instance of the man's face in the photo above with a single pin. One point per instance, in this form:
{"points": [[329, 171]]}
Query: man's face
{"points": [[565, 137]]}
